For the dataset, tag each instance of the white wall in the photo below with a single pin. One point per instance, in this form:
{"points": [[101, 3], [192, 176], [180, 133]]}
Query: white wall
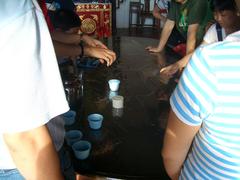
{"points": [[122, 14]]}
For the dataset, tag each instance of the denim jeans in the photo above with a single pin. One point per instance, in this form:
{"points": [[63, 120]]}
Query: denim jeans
{"points": [[10, 174]]}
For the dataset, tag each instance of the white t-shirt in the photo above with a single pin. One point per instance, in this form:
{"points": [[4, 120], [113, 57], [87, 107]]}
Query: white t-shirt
{"points": [[211, 35], [31, 87]]}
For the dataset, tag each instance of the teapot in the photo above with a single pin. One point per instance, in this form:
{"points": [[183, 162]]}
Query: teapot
{"points": [[73, 89]]}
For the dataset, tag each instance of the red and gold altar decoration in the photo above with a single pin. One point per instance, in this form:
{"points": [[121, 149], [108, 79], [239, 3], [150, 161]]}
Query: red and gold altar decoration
{"points": [[96, 18]]}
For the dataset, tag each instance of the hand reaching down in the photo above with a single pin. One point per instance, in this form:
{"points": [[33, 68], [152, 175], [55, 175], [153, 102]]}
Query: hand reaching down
{"points": [[153, 49], [170, 70], [93, 42], [104, 55]]}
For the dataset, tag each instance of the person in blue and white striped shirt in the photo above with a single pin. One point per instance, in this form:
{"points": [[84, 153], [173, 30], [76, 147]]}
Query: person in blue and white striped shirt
{"points": [[202, 138]]}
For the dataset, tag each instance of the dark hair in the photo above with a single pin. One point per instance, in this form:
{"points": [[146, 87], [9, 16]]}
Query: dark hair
{"points": [[65, 19], [221, 5]]}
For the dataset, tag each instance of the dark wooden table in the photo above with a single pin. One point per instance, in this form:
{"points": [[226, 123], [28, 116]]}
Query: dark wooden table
{"points": [[128, 146]]}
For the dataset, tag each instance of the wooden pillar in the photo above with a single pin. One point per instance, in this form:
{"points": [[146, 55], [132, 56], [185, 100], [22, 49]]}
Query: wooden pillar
{"points": [[114, 28]]}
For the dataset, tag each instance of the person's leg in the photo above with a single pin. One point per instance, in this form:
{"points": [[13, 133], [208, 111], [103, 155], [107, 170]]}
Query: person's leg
{"points": [[10, 174]]}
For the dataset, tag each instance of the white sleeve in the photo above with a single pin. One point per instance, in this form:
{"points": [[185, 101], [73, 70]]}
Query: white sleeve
{"points": [[31, 87], [162, 4], [211, 35]]}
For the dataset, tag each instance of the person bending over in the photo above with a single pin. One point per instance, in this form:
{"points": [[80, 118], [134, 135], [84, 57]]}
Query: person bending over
{"points": [[66, 39], [227, 22], [190, 18]]}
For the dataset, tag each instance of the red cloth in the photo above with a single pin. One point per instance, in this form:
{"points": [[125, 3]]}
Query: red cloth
{"points": [[163, 11], [180, 49], [43, 6]]}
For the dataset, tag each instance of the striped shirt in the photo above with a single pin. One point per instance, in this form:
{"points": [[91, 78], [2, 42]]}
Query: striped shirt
{"points": [[208, 94]]}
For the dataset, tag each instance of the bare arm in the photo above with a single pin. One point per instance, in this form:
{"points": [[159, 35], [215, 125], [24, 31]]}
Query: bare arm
{"points": [[74, 38], [68, 38], [177, 141], [191, 45], [104, 55], [191, 38], [66, 50], [73, 51], [93, 42], [184, 61], [170, 70], [34, 154], [167, 30]]}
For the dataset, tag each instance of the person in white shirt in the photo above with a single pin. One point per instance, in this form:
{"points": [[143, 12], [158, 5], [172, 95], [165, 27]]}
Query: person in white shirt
{"points": [[31, 94], [214, 34], [160, 9]]}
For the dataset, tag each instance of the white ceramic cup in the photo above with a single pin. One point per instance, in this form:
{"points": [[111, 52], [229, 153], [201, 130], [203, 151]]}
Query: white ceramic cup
{"points": [[117, 102], [114, 84]]}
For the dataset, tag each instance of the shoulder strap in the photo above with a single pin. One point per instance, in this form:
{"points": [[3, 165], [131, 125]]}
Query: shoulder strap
{"points": [[219, 32]]}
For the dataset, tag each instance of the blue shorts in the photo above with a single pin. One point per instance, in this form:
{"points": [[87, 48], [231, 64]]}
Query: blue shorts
{"points": [[10, 174]]}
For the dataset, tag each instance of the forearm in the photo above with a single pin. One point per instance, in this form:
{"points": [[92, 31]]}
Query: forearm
{"points": [[184, 61], [177, 142], [173, 162], [34, 154], [191, 38], [66, 50], [166, 32], [191, 45], [65, 37], [172, 168]]}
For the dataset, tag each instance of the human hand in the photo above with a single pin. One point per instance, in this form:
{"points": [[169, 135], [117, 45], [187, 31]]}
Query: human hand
{"points": [[170, 70], [93, 42], [104, 55], [153, 49], [82, 177]]}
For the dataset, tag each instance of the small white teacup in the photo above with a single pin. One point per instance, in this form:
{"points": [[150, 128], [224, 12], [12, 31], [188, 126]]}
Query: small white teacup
{"points": [[117, 102], [114, 84]]}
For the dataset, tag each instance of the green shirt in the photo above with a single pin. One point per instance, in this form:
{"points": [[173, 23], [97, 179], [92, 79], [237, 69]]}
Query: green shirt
{"points": [[191, 12]]}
